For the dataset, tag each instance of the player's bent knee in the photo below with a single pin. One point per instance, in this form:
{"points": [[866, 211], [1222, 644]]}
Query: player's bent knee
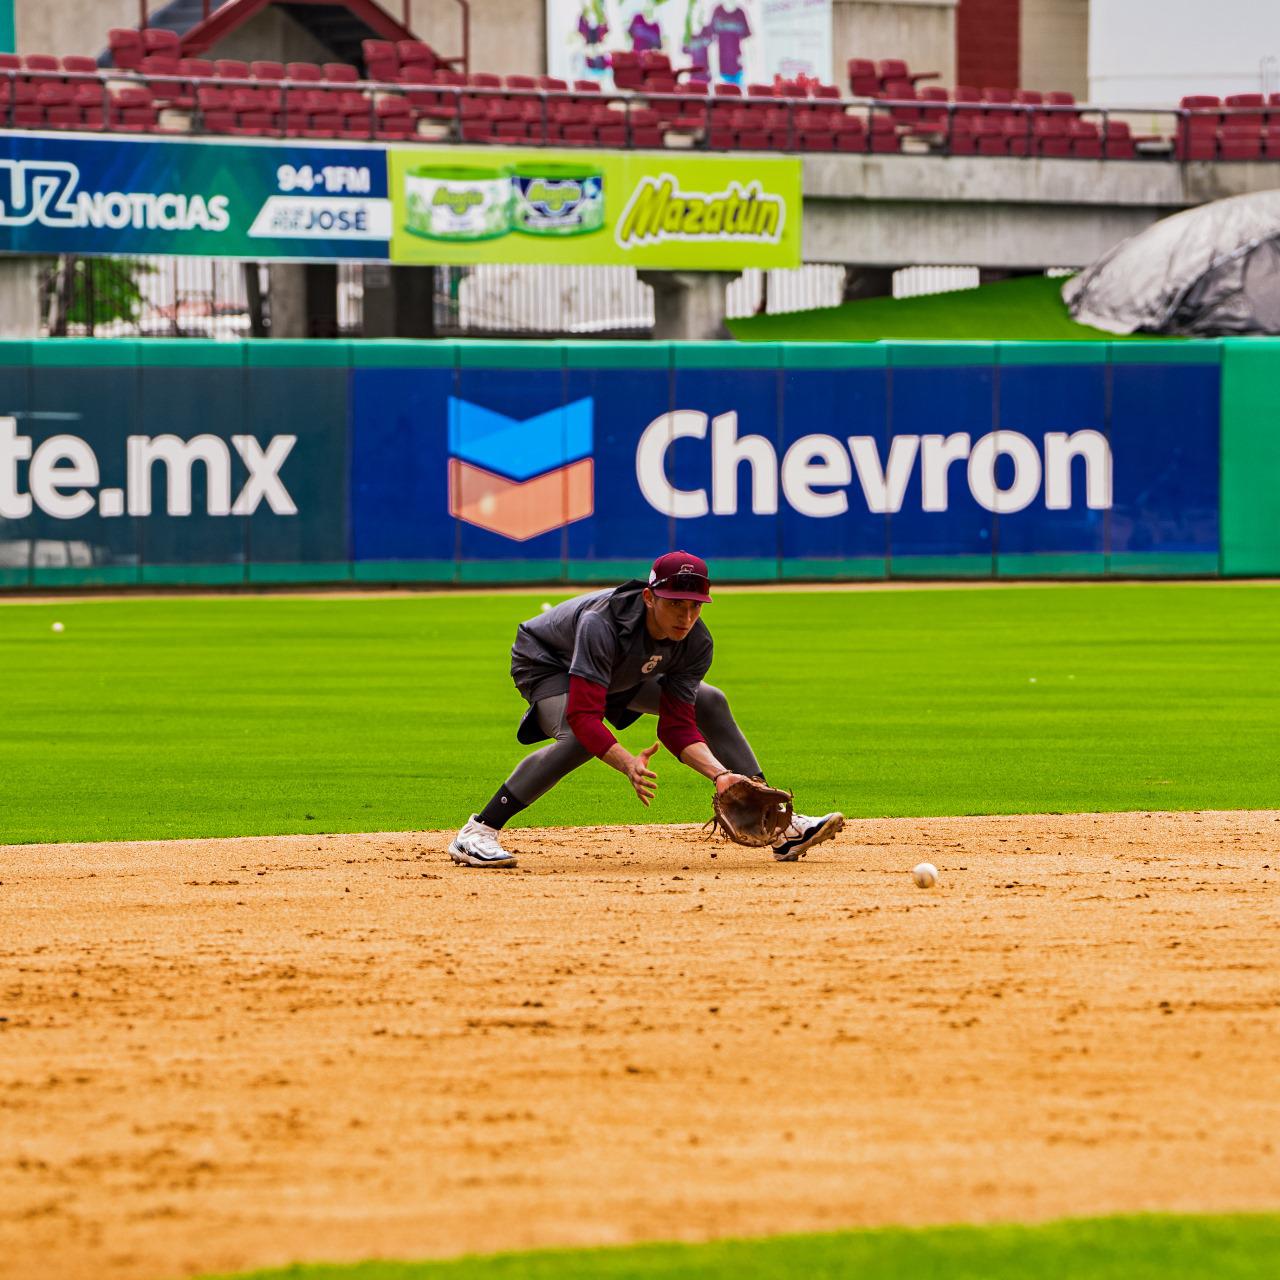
{"points": [[711, 703]]}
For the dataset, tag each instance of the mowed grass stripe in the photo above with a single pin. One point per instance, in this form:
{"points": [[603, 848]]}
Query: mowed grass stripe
{"points": [[1244, 1247], [192, 717]]}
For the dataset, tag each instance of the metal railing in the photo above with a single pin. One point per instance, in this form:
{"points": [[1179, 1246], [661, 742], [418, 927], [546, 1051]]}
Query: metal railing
{"points": [[709, 123]]}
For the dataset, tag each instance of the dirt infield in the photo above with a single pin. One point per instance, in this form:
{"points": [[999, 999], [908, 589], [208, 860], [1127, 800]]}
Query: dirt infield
{"points": [[223, 1054]]}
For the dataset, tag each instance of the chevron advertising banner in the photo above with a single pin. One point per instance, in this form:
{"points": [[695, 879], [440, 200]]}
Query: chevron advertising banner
{"points": [[119, 195], [602, 208], [754, 464]]}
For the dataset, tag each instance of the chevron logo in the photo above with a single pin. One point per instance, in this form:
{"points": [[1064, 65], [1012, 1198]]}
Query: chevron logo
{"points": [[519, 478]]}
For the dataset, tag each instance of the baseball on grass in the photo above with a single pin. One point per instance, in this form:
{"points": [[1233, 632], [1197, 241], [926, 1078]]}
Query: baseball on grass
{"points": [[57, 626], [546, 606], [925, 874]]}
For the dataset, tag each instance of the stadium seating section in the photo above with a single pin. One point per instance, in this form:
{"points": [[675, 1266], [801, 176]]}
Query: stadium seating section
{"points": [[405, 90]]}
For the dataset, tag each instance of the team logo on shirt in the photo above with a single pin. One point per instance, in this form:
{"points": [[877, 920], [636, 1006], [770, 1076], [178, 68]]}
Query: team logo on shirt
{"points": [[519, 477], [649, 666]]}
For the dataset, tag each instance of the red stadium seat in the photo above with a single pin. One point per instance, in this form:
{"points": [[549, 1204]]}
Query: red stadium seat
{"points": [[1019, 134], [231, 69], [998, 101], [991, 137], [1271, 142], [897, 69], [1051, 135], [416, 53], [306, 71], [1244, 110], [341, 73], [627, 72], [133, 110], [1086, 142], [158, 40], [1060, 98], [816, 141], [160, 64], [126, 48], [379, 51], [1241, 142], [80, 65], [1197, 133], [864, 82], [426, 102], [853, 136], [883, 135], [901, 90], [1117, 141], [267, 70], [395, 118], [42, 68], [964, 96], [934, 116]]}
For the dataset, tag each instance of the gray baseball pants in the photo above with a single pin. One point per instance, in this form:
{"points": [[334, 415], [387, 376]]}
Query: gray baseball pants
{"points": [[538, 772]]}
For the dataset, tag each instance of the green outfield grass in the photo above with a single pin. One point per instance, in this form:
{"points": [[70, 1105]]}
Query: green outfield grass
{"points": [[1022, 310], [1135, 1248], [241, 716]]}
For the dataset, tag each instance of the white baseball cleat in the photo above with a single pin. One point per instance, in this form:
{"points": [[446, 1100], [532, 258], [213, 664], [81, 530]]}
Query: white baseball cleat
{"points": [[803, 833], [476, 845]]}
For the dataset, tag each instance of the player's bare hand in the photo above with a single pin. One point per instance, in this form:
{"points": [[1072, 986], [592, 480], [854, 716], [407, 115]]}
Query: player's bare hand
{"points": [[641, 776], [726, 780]]}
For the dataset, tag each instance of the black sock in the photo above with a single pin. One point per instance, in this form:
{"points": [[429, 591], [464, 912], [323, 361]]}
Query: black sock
{"points": [[501, 809]]}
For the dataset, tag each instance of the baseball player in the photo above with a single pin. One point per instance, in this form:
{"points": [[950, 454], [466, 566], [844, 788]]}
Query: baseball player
{"points": [[615, 655]]}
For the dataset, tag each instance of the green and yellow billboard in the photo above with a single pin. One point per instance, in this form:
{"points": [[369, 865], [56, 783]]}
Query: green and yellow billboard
{"points": [[593, 208]]}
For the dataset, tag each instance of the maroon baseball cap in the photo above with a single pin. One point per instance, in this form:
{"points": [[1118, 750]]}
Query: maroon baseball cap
{"points": [[680, 575]]}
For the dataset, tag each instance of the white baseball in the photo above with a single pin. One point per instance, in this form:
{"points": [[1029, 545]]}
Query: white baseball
{"points": [[925, 874], [546, 606], [57, 626]]}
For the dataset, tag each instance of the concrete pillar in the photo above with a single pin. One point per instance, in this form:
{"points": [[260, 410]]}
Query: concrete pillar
{"points": [[304, 299], [399, 302], [689, 304], [19, 298]]}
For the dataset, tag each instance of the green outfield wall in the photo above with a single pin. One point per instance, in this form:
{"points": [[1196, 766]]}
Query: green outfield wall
{"points": [[208, 463]]}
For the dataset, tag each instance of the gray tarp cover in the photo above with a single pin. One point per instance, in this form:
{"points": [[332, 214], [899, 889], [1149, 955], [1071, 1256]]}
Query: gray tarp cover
{"points": [[1211, 270]]}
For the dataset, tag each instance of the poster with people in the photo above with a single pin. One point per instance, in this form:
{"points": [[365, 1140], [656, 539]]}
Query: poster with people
{"points": [[709, 41]]}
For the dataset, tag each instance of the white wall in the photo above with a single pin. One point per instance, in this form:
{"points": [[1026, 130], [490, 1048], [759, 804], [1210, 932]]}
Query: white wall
{"points": [[1152, 52], [70, 26], [1054, 46]]}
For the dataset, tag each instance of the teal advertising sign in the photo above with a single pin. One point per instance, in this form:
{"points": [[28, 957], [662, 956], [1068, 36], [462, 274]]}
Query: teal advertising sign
{"points": [[121, 196]]}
